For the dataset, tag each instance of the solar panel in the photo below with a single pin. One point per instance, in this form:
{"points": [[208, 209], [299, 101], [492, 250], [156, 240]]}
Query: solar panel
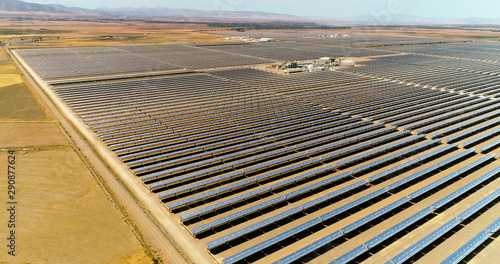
{"points": [[466, 249], [478, 139], [443, 229]]}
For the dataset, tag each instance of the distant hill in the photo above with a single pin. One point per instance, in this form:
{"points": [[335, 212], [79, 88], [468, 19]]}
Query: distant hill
{"points": [[233, 16], [75, 10], [20, 6], [190, 14]]}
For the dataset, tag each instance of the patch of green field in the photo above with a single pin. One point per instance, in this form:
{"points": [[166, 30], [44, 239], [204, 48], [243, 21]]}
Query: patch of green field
{"points": [[103, 39], [10, 31], [482, 37], [134, 37]]}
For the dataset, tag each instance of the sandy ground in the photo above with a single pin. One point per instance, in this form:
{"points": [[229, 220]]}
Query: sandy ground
{"points": [[16, 100], [63, 214], [64, 217], [20, 134], [68, 33]]}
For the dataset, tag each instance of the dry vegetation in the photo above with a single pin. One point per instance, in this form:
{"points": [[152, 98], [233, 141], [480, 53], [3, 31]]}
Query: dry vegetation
{"points": [[64, 216], [64, 33], [16, 100]]}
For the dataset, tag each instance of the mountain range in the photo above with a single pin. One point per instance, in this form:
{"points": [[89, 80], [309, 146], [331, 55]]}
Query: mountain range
{"points": [[188, 14], [16, 6], [20, 6], [173, 13]]}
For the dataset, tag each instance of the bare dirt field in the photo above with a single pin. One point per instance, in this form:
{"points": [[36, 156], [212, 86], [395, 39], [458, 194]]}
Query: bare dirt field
{"points": [[63, 215], [16, 100], [68, 33], [22, 134]]}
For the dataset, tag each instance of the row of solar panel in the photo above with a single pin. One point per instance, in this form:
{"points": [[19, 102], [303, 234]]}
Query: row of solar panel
{"points": [[493, 145], [385, 160], [347, 90], [470, 87], [221, 133], [438, 111], [417, 74], [157, 101], [433, 110], [203, 126], [481, 138], [228, 157], [397, 107], [292, 180], [269, 164], [362, 83], [327, 129], [287, 196], [112, 115], [268, 155], [458, 119], [398, 97], [174, 120], [361, 98], [460, 85], [469, 52], [174, 87], [175, 103], [174, 82], [466, 125], [452, 114], [71, 63], [280, 172], [280, 83], [472, 244], [492, 92], [75, 81], [443, 229], [401, 99], [473, 131], [425, 108], [160, 112], [187, 117], [420, 74], [315, 202], [378, 239], [466, 87], [349, 228], [156, 111], [482, 88], [411, 163], [201, 95], [273, 134]]}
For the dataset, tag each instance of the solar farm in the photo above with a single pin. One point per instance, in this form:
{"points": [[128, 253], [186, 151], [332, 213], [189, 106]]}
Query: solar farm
{"points": [[392, 161]]}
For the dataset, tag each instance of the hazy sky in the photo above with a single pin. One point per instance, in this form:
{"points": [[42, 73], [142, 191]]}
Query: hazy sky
{"points": [[316, 8]]}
